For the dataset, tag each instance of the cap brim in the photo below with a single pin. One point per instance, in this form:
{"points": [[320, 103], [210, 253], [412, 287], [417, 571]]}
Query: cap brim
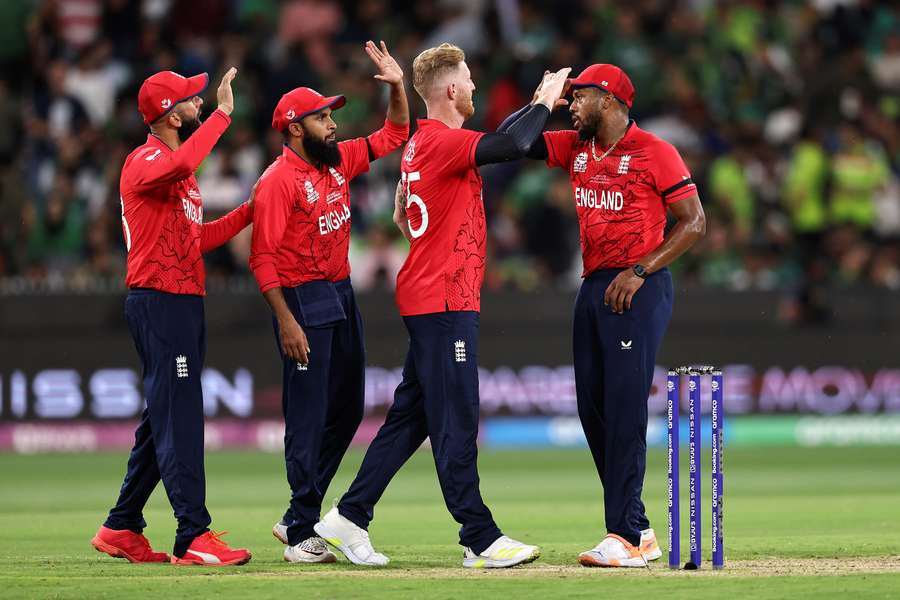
{"points": [[575, 84], [196, 86], [332, 102]]}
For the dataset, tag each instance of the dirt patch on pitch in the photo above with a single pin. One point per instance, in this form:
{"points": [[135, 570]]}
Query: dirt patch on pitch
{"points": [[758, 567]]}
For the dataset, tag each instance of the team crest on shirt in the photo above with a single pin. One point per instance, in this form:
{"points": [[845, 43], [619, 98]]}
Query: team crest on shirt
{"points": [[337, 176], [623, 164], [410, 151], [580, 164], [311, 194]]}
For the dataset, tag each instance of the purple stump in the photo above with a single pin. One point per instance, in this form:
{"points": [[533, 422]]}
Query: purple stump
{"points": [[672, 387], [694, 412], [718, 444]]}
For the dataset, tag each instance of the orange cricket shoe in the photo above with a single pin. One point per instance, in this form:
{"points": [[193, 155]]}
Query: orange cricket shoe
{"points": [[123, 543], [209, 550], [649, 546]]}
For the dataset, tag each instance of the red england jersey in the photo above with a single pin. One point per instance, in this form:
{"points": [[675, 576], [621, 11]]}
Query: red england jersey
{"points": [[445, 266], [620, 200], [162, 213], [301, 219]]}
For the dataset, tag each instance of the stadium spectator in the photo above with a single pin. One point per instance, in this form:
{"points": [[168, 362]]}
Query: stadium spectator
{"points": [[786, 113]]}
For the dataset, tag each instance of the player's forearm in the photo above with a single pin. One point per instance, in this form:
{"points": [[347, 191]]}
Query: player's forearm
{"points": [[275, 299], [398, 106], [400, 218], [509, 120], [515, 142], [682, 236], [217, 232]]}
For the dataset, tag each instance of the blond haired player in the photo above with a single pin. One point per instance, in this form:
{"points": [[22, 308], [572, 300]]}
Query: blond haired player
{"points": [[438, 294]]}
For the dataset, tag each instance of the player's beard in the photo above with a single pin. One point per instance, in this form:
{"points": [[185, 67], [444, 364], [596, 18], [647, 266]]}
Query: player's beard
{"points": [[589, 128], [188, 127], [465, 106], [321, 151]]}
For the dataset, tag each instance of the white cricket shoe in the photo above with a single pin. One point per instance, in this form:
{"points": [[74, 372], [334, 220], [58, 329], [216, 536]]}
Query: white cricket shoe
{"points": [[279, 530], [353, 541], [310, 550], [613, 551], [504, 552], [649, 547]]}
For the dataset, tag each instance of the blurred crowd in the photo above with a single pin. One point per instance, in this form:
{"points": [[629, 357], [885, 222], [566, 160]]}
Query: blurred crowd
{"points": [[786, 112]]}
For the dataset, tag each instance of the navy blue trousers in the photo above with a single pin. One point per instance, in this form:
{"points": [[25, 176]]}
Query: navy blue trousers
{"points": [[169, 333], [615, 356], [323, 401], [437, 399]]}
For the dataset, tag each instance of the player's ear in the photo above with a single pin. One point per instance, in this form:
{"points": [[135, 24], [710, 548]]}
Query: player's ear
{"points": [[451, 91], [174, 119], [296, 130]]}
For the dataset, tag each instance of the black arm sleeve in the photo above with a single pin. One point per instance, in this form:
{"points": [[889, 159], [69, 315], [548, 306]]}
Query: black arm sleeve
{"points": [[538, 150], [515, 142], [512, 118]]}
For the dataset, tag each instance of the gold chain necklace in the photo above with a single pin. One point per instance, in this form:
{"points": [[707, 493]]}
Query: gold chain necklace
{"points": [[611, 148]]}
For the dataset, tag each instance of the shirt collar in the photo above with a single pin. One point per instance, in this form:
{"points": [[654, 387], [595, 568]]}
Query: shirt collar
{"points": [[157, 142], [431, 123], [630, 130]]}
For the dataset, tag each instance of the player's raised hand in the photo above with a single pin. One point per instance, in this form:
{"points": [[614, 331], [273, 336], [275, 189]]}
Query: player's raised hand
{"points": [[552, 88], [224, 95], [389, 70]]}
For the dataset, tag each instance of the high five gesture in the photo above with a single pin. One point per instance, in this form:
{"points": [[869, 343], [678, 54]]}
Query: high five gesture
{"points": [[389, 71]]}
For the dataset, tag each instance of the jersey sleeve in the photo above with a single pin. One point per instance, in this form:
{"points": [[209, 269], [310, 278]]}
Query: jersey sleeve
{"points": [[354, 157], [456, 150], [153, 168], [671, 176], [216, 233], [559, 147], [355, 153], [272, 207]]}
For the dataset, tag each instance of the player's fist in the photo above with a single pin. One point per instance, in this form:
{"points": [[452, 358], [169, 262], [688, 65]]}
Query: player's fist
{"points": [[389, 70], [224, 95]]}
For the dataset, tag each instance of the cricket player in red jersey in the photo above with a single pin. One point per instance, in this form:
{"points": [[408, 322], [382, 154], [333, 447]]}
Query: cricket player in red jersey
{"points": [[301, 237], [438, 293], [625, 180], [162, 220]]}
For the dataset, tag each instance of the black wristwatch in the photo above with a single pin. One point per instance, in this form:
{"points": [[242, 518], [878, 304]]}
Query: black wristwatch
{"points": [[640, 271]]}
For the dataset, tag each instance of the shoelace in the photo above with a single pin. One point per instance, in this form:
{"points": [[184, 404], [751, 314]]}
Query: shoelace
{"points": [[145, 542], [214, 538], [316, 545]]}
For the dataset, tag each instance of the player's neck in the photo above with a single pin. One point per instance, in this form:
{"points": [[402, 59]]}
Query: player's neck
{"points": [[612, 130], [446, 114], [169, 137]]}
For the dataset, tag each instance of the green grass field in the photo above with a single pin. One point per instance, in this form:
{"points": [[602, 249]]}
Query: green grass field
{"points": [[798, 522]]}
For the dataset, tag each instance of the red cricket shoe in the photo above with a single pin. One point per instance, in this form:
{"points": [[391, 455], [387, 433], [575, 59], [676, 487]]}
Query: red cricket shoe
{"points": [[123, 543], [209, 550]]}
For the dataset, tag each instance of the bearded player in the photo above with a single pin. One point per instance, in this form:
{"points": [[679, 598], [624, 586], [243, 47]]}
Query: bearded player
{"points": [[625, 180], [162, 221], [301, 236], [438, 294]]}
